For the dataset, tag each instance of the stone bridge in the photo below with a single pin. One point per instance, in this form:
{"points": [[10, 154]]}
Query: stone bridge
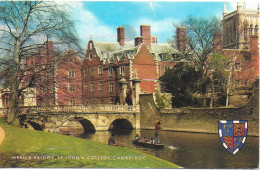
{"points": [[91, 117]]}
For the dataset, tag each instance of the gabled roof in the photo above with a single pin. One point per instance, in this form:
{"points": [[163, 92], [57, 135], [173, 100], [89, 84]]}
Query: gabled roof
{"points": [[110, 47], [157, 49], [114, 49]]}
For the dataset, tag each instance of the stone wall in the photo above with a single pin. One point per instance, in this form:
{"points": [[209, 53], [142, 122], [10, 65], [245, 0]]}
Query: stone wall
{"points": [[203, 120]]}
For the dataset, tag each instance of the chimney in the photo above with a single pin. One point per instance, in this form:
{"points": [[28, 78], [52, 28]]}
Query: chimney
{"points": [[154, 39], [181, 38], [138, 41], [145, 31], [121, 35], [49, 47], [253, 44], [217, 42]]}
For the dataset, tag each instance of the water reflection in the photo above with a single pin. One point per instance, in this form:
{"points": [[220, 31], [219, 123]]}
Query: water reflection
{"points": [[193, 150]]}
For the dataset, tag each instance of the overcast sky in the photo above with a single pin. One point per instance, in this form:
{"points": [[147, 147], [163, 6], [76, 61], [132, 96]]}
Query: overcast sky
{"points": [[100, 20]]}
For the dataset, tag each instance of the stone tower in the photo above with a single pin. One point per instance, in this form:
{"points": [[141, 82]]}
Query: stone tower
{"points": [[238, 25]]}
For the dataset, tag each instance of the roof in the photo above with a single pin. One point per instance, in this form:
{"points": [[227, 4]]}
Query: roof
{"points": [[110, 47], [157, 49], [110, 50]]}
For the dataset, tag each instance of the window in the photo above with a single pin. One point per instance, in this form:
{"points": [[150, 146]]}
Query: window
{"points": [[72, 102], [122, 70], [256, 29], [100, 86], [85, 86], [245, 33], [251, 29], [110, 72], [72, 88], [237, 66], [101, 101], [25, 60], [111, 87], [90, 57], [92, 86], [71, 60], [85, 72], [92, 71], [71, 74], [111, 101], [53, 88], [100, 70]]}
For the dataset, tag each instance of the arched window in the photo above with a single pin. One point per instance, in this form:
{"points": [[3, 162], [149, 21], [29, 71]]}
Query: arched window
{"points": [[90, 45], [226, 36], [251, 29], [256, 29], [230, 34], [245, 32], [90, 57]]}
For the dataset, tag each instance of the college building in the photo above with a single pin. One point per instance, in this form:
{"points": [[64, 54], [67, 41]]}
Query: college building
{"points": [[117, 72]]}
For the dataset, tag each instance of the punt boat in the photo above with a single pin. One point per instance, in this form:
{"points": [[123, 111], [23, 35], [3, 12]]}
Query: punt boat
{"points": [[147, 144]]}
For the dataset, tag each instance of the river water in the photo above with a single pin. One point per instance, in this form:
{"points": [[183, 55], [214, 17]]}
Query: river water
{"points": [[193, 150]]}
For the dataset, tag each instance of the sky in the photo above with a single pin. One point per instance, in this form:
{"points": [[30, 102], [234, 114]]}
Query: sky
{"points": [[100, 20]]}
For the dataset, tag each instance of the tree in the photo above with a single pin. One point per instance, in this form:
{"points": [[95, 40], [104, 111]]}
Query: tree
{"points": [[199, 40], [217, 65], [23, 26], [199, 37], [183, 82]]}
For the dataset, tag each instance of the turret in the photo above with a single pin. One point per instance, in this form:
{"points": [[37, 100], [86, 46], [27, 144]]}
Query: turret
{"points": [[224, 10], [239, 6]]}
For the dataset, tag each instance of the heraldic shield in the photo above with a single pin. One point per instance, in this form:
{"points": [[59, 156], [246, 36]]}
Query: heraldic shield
{"points": [[232, 134]]}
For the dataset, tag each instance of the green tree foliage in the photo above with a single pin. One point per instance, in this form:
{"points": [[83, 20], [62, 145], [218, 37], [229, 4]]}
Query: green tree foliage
{"points": [[217, 65], [183, 81], [160, 99], [199, 48]]}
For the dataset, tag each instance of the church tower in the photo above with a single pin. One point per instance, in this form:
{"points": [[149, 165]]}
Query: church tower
{"points": [[238, 25]]}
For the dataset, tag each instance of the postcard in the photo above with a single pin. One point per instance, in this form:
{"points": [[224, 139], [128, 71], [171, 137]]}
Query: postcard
{"points": [[129, 84]]}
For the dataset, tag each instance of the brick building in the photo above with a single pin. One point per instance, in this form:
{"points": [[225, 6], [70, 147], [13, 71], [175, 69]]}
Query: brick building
{"points": [[68, 84], [56, 79], [240, 44], [117, 72]]}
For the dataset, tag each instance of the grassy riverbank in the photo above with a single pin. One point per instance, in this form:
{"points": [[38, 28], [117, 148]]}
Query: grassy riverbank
{"points": [[28, 148]]}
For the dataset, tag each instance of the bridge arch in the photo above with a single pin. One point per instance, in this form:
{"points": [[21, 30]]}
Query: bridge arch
{"points": [[120, 124], [86, 124], [34, 125]]}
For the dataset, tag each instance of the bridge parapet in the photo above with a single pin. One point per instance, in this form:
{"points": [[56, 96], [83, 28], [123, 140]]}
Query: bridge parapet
{"points": [[90, 108]]}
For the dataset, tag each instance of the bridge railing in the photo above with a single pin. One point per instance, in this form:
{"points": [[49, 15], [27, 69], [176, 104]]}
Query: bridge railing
{"points": [[90, 108]]}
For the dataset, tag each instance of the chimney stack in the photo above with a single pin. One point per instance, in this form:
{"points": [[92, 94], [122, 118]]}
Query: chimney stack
{"points": [[145, 31], [154, 39], [121, 35], [181, 38], [217, 42], [138, 41]]}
